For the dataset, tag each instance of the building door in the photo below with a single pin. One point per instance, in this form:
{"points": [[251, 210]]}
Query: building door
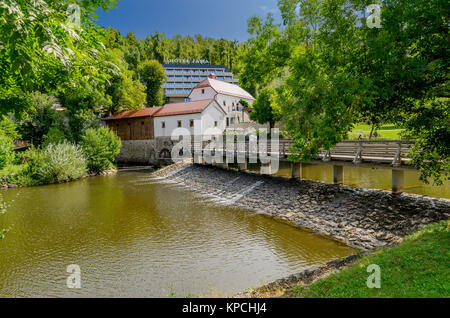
{"points": [[228, 121]]}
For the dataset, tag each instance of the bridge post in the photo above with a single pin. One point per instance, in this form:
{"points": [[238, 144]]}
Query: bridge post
{"points": [[398, 179], [338, 174], [242, 166], [266, 168], [198, 159], [296, 170]]}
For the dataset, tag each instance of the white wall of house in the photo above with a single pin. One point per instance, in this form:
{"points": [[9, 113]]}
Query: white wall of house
{"points": [[230, 104], [233, 108], [202, 94], [211, 117], [171, 123]]}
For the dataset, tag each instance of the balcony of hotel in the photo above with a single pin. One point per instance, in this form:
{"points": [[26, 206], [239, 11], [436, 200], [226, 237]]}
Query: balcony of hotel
{"points": [[171, 92], [179, 85], [197, 72]]}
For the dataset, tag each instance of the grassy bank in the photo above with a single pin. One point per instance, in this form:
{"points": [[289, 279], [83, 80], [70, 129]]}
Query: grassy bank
{"points": [[384, 132], [419, 267]]}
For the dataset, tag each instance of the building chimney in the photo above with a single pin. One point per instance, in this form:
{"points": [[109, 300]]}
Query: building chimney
{"points": [[212, 75]]}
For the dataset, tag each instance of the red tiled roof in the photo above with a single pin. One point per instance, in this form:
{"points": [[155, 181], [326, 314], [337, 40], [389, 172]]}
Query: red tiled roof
{"points": [[143, 112], [184, 108]]}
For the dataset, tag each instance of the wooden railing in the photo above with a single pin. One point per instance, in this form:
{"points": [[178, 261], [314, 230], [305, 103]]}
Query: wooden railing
{"points": [[393, 152]]}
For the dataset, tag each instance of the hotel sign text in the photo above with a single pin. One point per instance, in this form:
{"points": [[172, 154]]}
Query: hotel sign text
{"points": [[187, 61]]}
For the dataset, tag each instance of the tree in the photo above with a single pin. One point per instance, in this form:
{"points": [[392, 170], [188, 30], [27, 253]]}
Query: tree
{"points": [[125, 91], [263, 109], [341, 72], [41, 50], [101, 146], [258, 66], [153, 75], [37, 120]]}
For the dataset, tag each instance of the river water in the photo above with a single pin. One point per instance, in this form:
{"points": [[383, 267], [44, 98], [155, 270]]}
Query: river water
{"points": [[136, 236], [368, 178]]}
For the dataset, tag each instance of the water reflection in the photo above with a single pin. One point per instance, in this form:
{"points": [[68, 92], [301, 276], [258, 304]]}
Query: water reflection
{"points": [[368, 178], [134, 236]]}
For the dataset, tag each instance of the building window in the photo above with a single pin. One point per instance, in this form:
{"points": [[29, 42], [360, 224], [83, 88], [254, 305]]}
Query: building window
{"points": [[142, 123], [215, 124], [179, 123], [224, 103], [203, 91], [191, 123], [163, 124]]}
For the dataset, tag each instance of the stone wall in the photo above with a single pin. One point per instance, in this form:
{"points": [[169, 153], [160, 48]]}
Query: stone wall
{"points": [[150, 151], [303, 279], [361, 218]]}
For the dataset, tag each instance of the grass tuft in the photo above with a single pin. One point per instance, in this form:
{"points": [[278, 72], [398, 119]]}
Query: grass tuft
{"points": [[419, 267]]}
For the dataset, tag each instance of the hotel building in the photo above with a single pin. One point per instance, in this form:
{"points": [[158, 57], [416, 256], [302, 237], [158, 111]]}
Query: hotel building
{"points": [[182, 78]]}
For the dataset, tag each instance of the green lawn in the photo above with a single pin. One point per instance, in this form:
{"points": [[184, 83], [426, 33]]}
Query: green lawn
{"points": [[384, 132], [419, 267]]}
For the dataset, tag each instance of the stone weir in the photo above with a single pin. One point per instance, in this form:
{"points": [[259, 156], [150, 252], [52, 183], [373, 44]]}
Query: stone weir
{"points": [[361, 218]]}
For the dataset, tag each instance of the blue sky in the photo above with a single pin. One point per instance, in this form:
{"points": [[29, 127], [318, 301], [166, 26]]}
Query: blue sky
{"points": [[213, 18]]}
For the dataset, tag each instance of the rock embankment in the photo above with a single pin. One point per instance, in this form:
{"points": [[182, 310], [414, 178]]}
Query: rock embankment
{"points": [[361, 218], [302, 279]]}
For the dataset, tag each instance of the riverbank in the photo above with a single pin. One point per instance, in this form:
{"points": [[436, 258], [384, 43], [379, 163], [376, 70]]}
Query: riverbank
{"points": [[425, 276], [360, 218], [416, 268], [4, 179]]}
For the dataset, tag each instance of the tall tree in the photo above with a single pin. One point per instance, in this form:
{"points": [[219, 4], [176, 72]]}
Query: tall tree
{"points": [[153, 75], [264, 111], [344, 72], [40, 49]]}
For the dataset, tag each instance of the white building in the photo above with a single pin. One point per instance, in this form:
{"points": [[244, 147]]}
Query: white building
{"points": [[200, 117], [227, 95]]}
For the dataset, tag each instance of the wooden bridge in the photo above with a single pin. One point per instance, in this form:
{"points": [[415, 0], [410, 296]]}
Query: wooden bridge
{"points": [[382, 154]]}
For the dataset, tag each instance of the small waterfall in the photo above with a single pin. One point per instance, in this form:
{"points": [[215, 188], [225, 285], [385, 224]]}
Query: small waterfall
{"points": [[227, 193], [245, 191], [233, 181]]}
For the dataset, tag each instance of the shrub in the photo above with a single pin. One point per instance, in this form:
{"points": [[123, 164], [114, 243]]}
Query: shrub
{"points": [[6, 150], [35, 123], [101, 147], [56, 163], [54, 136], [8, 128], [80, 120]]}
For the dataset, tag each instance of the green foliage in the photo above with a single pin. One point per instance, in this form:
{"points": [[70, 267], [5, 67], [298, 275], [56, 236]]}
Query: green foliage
{"points": [[329, 70], [80, 120], [36, 121], [85, 96], [153, 75], [6, 150], [125, 91], [8, 128], [41, 50], [244, 103], [56, 163], [262, 61], [429, 125], [101, 146], [263, 109], [416, 268], [161, 48], [54, 136]]}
